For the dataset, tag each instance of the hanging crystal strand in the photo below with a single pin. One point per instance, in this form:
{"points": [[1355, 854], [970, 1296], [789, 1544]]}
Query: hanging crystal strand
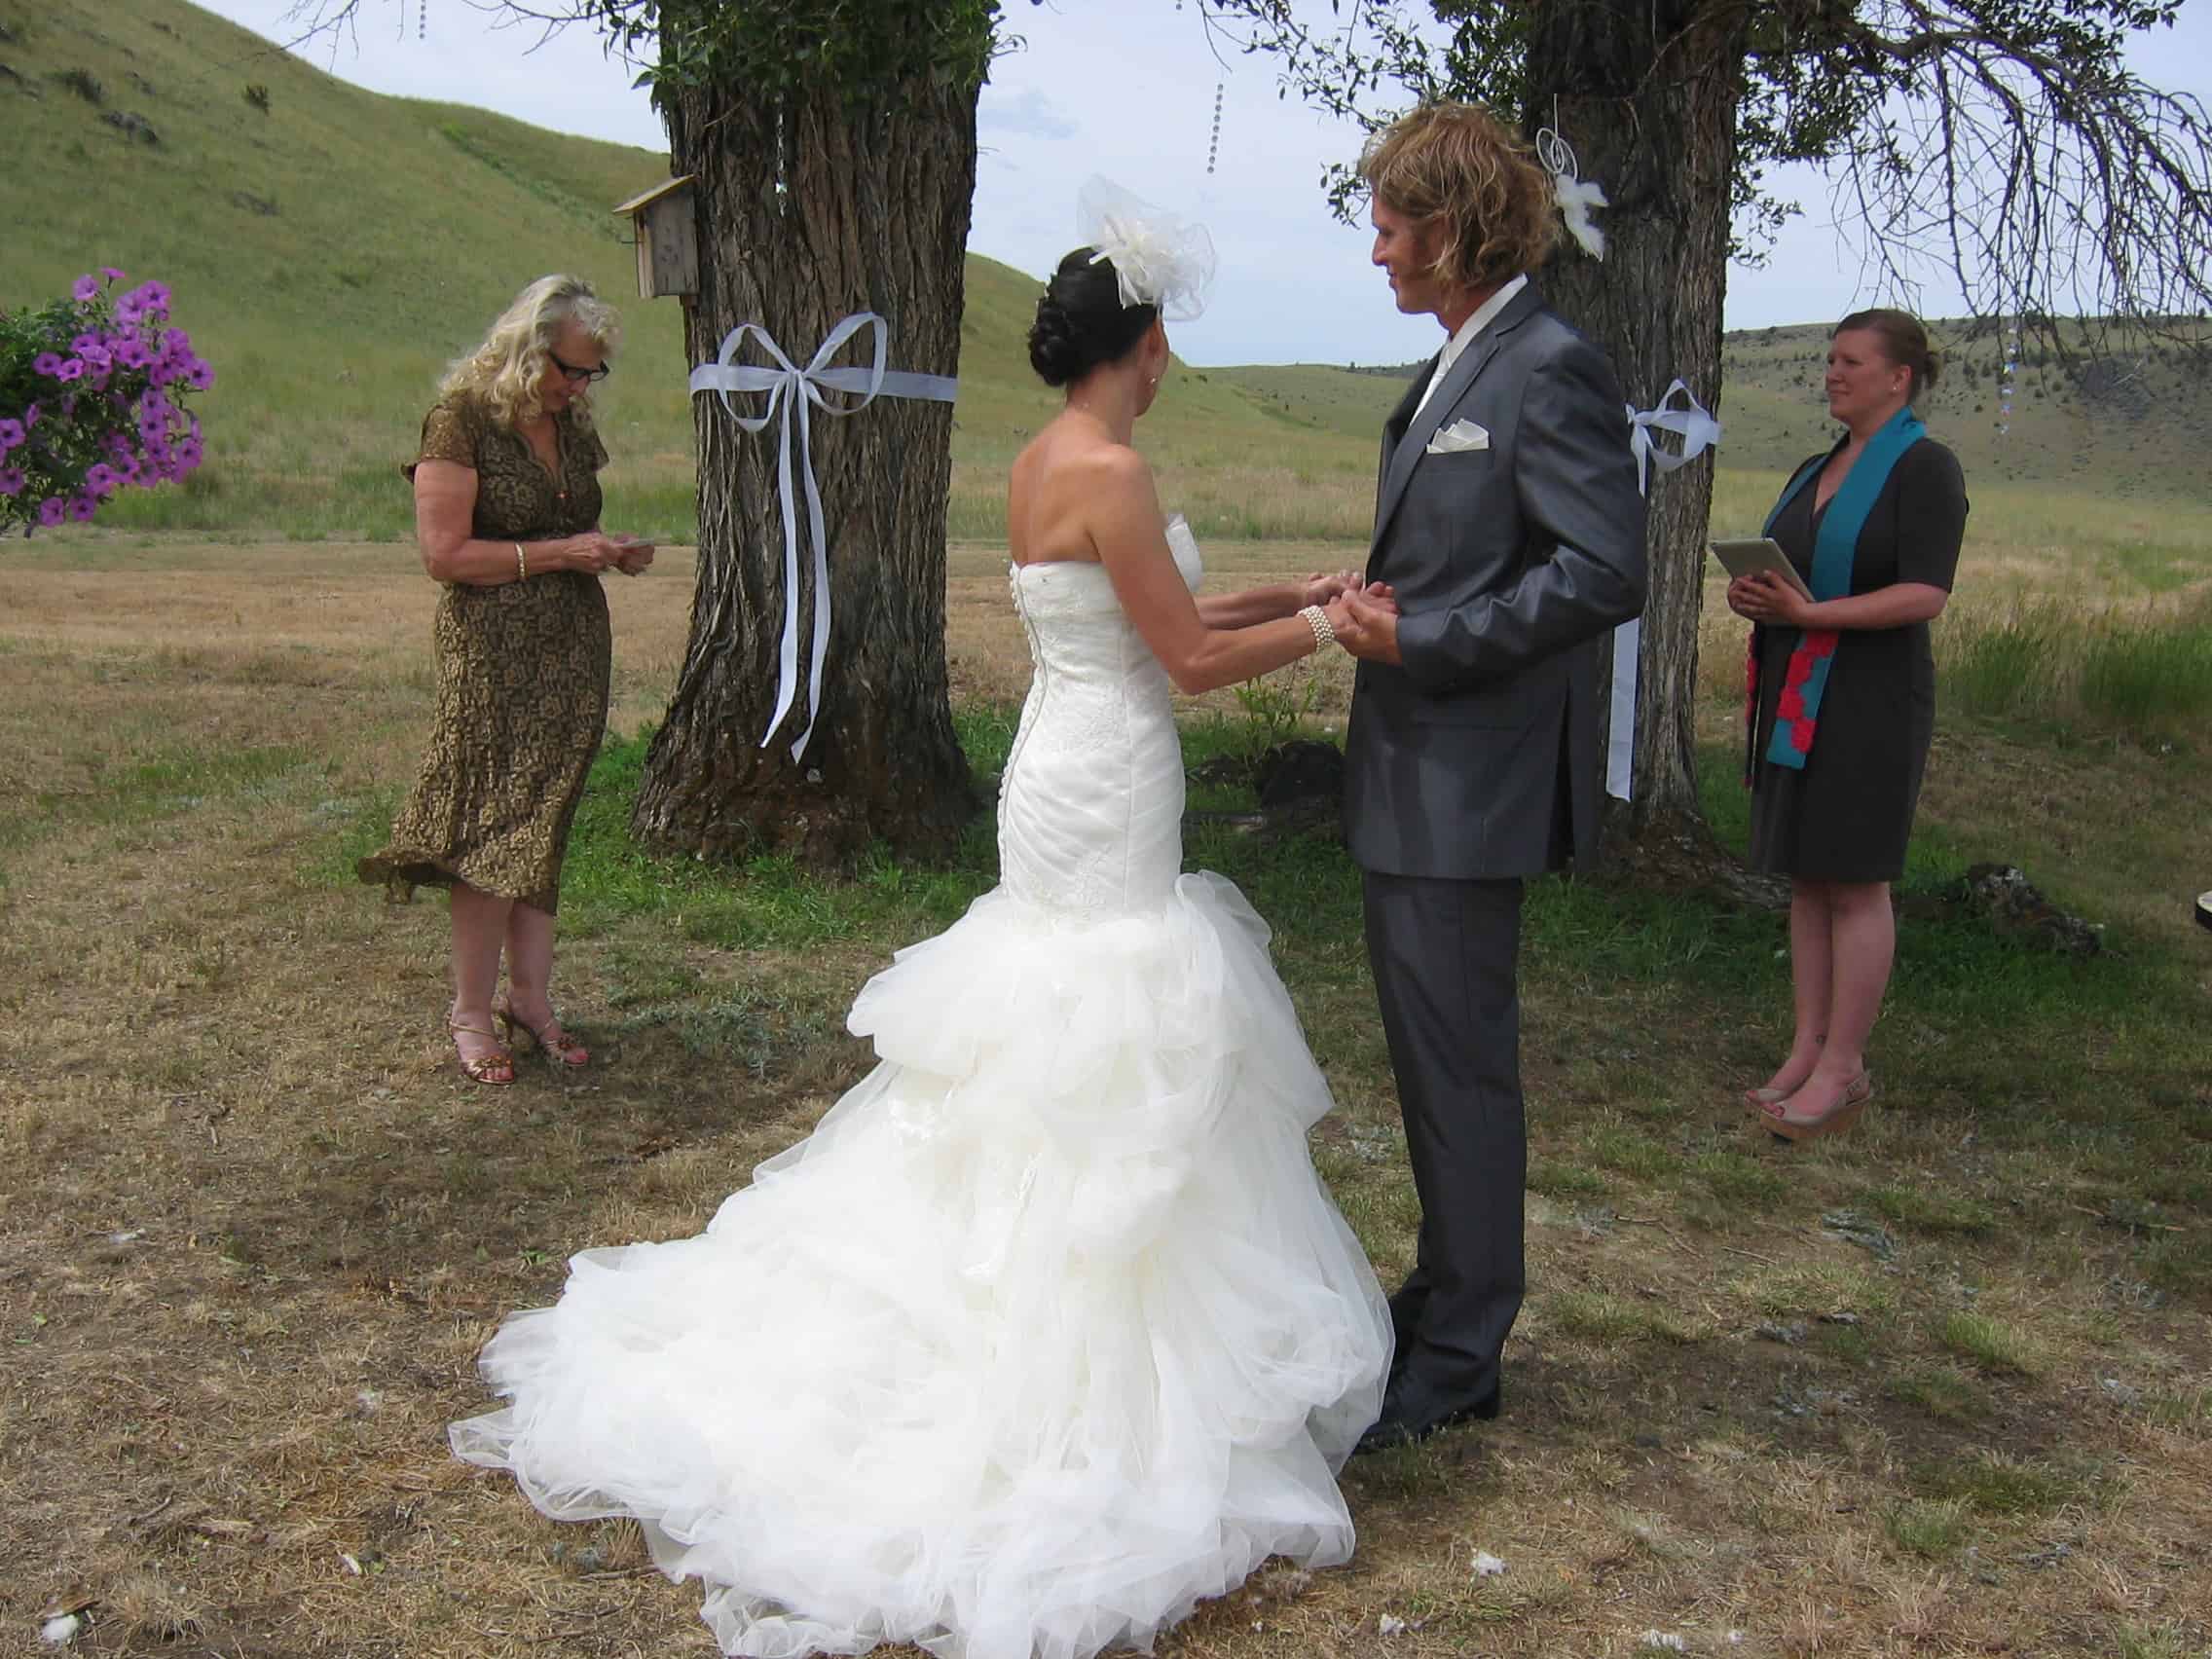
{"points": [[1213, 143], [783, 189], [2014, 322], [423, 20]]}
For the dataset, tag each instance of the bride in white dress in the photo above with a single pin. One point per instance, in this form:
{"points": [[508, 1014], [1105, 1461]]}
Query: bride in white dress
{"points": [[1049, 1330]]}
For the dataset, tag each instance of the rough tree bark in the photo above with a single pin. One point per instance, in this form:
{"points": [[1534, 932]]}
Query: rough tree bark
{"points": [[873, 216], [1647, 96]]}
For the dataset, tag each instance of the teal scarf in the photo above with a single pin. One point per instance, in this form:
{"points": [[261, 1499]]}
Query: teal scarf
{"points": [[1796, 713]]}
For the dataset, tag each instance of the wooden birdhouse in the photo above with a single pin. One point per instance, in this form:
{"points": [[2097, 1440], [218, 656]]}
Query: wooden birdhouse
{"points": [[667, 237]]}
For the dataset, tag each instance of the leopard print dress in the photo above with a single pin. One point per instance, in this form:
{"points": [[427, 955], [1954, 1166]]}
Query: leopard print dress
{"points": [[522, 670]]}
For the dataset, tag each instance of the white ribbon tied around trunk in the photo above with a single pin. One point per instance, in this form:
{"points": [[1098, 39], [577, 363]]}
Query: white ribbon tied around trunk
{"points": [[795, 392], [1574, 195], [1699, 432]]}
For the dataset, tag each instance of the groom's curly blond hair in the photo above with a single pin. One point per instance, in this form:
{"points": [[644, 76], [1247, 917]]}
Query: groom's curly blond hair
{"points": [[1464, 169]]}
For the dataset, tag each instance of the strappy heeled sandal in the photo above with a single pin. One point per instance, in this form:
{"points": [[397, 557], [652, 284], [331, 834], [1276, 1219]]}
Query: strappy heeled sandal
{"points": [[554, 1042], [1834, 1120], [494, 1070]]}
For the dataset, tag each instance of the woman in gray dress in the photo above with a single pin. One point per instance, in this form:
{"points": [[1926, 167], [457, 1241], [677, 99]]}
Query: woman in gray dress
{"points": [[506, 514], [1842, 702]]}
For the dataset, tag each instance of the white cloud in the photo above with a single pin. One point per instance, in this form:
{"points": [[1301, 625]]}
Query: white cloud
{"points": [[1030, 115]]}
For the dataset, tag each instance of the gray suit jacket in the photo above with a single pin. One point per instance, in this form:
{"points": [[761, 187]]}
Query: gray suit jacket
{"points": [[1479, 757]]}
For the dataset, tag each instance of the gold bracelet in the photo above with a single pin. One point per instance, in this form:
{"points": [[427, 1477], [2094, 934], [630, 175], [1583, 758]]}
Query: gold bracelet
{"points": [[1317, 619], [522, 565]]}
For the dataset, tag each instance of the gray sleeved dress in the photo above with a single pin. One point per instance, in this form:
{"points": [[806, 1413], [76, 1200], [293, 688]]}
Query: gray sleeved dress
{"points": [[1847, 814]]}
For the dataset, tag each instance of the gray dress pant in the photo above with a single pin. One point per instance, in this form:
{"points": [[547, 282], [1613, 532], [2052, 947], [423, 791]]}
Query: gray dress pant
{"points": [[1444, 955]]}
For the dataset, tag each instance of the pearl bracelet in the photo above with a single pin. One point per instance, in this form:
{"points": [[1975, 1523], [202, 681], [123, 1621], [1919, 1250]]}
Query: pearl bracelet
{"points": [[1317, 619]]}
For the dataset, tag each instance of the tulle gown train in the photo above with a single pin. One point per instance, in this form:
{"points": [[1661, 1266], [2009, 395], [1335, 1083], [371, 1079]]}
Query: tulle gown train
{"points": [[1049, 1330]]}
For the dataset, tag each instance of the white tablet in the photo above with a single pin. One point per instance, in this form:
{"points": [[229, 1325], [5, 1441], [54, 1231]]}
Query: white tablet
{"points": [[1753, 554]]}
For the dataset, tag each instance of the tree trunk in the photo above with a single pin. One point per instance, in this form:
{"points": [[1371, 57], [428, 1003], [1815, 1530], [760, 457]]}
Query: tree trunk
{"points": [[806, 214], [1646, 93]]}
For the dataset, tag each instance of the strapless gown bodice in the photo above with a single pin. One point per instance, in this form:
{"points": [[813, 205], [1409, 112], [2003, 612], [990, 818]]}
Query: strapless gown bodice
{"points": [[1090, 808]]}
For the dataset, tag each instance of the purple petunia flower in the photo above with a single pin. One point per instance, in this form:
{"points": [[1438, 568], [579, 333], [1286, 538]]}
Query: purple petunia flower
{"points": [[10, 481], [177, 342], [46, 363], [130, 471], [71, 368], [85, 288], [201, 376], [83, 507], [10, 434], [111, 273], [31, 412], [153, 298], [50, 511], [188, 453], [101, 479], [132, 354]]}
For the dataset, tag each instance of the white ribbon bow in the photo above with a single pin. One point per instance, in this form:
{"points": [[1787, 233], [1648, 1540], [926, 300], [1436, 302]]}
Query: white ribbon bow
{"points": [[1698, 431], [796, 390]]}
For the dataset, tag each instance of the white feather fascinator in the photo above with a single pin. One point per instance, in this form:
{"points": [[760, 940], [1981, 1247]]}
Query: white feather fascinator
{"points": [[1161, 259]]}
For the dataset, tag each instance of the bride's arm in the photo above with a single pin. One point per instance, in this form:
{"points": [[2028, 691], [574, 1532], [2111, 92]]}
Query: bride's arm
{"points": [[1126, 528], [1266, 603]]}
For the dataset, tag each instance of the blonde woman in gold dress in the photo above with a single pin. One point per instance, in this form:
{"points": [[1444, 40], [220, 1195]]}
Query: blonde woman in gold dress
{"points": [[507, 518]]}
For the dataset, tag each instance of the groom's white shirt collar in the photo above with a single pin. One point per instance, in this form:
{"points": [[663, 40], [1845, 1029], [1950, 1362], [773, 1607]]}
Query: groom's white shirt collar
{"points": [[1466, 333]]}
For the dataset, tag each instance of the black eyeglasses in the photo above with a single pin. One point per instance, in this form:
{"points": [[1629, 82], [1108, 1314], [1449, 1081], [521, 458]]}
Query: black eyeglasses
{"points": [[582, 376]]}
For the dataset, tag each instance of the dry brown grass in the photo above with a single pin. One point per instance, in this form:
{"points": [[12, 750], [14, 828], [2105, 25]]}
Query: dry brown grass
{"points": [[255, 1228]]}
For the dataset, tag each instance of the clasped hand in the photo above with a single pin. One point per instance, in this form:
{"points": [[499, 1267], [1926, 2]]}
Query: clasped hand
{"points": [[595, 552], [1766, 598], [1365, 619]]}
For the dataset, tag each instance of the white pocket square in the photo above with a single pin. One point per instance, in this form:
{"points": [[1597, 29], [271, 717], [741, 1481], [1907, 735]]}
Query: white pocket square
{"points": [[1458, 437]]}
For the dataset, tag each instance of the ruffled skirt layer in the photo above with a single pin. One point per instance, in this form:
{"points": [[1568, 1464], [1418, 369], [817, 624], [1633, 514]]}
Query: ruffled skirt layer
{"points": [[1048, 1330]]}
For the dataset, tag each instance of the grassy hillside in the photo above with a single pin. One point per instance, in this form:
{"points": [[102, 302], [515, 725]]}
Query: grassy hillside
{"points": [[2133, 418], [331, 248]]}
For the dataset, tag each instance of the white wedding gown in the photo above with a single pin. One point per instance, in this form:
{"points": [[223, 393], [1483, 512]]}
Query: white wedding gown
{"points": [[1049, 1330]]}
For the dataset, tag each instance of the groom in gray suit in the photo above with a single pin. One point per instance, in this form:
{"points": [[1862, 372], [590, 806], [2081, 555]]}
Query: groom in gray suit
{"points": [[1509, 531]]}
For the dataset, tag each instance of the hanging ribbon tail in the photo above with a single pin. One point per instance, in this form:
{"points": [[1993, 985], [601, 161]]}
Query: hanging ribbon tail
{"points": [[1620, 730], [793, 391], [1576, 198]]}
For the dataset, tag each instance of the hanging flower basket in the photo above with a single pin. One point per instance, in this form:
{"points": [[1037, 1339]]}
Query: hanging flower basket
{"points": [[92, 400]]}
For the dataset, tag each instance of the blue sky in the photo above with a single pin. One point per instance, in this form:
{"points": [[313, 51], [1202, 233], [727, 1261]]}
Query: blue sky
{"points": [[1126, 90]]}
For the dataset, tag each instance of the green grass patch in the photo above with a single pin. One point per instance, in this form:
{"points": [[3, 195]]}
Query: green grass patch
{"points": [[1990, 1483], [1994, 1345], [1921, 1209], [1556, 1178], [1932, 1529], [123, 789], [1944, 1392], [1742, 1182], [1817, 1291], [2146, 676], [1600, 1316]]}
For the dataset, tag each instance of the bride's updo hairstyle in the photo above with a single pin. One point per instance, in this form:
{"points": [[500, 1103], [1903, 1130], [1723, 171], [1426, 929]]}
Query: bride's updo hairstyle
{"points": [[1081, 321]]}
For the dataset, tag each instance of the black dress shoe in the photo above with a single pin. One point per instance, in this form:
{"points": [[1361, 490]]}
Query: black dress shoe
{"points": [[1408, 1420]]}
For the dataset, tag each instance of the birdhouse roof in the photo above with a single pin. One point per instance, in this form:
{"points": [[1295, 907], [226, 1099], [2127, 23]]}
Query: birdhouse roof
{"points": [[681, 181]]}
